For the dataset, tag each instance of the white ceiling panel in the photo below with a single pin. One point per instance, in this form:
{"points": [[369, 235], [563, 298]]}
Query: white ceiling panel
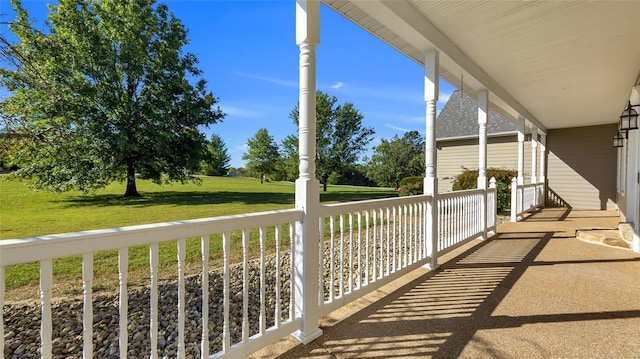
{"points": [[558, 64]]}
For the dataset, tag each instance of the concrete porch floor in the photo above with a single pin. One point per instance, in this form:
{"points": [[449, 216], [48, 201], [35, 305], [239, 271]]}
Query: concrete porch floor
{"points": [[532, 291]]}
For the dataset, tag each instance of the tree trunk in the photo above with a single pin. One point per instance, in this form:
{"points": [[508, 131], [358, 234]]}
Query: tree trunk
{"points": [[131, 191], [324, 184]]}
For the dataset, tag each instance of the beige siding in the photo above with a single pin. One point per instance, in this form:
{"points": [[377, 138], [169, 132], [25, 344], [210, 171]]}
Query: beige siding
{"points": [[502, 152], [581, 166]]}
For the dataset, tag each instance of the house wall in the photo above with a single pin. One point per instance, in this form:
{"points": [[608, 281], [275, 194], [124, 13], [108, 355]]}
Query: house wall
{"points": [[581, 166], [502, 152]]}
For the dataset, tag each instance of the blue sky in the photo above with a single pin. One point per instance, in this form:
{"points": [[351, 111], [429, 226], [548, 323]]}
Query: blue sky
{"points": [[249, 57]]}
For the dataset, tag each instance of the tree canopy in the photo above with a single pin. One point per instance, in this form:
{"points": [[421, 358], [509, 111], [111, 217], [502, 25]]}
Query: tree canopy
{"points": [[340, 135], [104, 93], [217, 159], [262, 154], [395, 159]]}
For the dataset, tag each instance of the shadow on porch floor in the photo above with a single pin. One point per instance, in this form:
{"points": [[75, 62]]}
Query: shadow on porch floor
{"points": [[532, 291]]}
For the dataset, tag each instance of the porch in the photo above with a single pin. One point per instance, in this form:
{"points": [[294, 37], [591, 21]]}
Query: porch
{"points": [[532, 290]]}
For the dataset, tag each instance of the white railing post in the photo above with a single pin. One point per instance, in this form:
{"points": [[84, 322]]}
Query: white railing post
{"points": [[431, 78], [514, 199], [494, 206], [307, 239]]}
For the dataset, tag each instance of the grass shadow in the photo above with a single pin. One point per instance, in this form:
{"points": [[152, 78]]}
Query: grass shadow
{"points": [[195, 198]]}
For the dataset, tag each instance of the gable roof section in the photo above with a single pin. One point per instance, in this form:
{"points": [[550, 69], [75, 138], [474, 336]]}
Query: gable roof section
{"points": [[458, 119]]}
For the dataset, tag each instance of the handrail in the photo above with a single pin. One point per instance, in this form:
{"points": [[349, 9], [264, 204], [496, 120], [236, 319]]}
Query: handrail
{"points": [[12, 251]]}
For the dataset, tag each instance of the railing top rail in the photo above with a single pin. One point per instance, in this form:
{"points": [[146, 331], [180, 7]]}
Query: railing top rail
{"points": [[454, 194], [350, 207], [24, 250]]}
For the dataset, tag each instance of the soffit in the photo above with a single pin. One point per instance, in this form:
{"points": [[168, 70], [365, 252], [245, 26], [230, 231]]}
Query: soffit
{"points": [[557, 64]]}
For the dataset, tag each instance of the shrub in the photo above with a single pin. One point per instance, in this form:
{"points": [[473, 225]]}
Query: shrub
{"points": [[411, 186], [468, 179]]}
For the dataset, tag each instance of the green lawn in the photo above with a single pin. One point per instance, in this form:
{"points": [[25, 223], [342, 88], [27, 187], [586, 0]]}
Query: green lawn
{"points": [[24, 213]]}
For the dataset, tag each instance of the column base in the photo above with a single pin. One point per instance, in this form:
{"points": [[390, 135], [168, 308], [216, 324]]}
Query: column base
{"points": [[306, 339], [431, 265]]}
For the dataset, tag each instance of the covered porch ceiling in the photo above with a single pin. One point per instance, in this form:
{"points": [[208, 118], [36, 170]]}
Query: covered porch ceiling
{"points": [[557, 64]]}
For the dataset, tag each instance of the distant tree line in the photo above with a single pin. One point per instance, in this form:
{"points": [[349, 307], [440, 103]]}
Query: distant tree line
{"points": [[341, 138]]}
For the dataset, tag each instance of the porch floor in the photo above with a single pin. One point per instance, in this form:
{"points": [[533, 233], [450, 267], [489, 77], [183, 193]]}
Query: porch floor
{"points": [[532, 291]]}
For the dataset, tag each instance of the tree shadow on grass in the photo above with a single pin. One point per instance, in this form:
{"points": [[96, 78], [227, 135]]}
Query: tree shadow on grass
{"points": [[349, 196], [196, 198]]}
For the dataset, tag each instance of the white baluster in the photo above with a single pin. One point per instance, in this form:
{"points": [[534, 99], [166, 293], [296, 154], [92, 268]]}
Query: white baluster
{"points": [[381, 269], [263, 279], [204, 251], [374, 268], [2, 306], [153, 299], [404, 236], [277, 314], [411, 234], [292, 277], [366, 249], [226, 285], [395, 240], [332, 259], [87, 313], [321, 262], [350, 252], [46, 326], [245, 285], [182, 243], [341, 255], [388, 267], [123, 275], [359, 250]]}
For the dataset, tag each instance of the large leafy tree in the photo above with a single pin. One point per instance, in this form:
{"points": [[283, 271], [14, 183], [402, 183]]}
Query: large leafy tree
{"points": [[395, 159], [106, 92], [216, 161], [290, 158], [340, 135], [262, 154]]}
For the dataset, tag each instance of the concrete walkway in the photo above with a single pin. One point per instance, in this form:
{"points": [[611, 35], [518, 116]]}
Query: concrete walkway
{"points": [[531, 291]]}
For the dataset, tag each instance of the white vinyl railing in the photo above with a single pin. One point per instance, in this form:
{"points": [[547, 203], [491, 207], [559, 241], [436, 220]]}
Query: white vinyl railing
{"points": [[367, 244], [248, 303], [459, 218], [239, 335], [525, 198]]}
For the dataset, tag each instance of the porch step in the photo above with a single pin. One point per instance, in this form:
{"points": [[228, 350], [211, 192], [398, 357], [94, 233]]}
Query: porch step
{"points": [[605, 236]]}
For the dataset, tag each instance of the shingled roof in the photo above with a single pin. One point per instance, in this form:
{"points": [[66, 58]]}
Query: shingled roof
{"points": [[450, 124]]}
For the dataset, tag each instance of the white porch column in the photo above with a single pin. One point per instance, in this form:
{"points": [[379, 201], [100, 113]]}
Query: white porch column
{"points": [[431, 77], [307, 186], [521, 129], [483, 121], [541, 175], [534, 154], [543, 157], [520, 191]]}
